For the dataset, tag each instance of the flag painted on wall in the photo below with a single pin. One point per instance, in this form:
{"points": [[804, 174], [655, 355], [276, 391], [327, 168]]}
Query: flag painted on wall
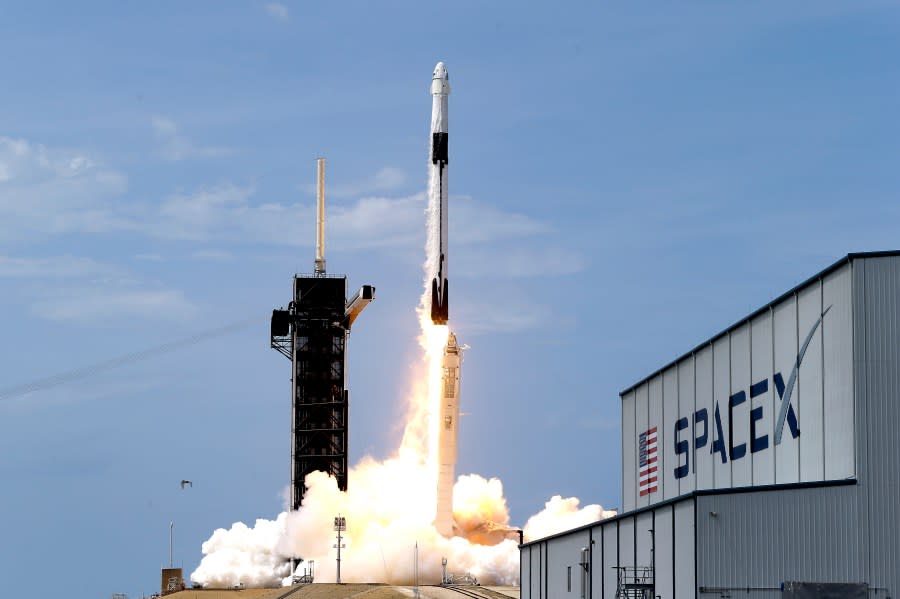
{"points": [[647, 470]]}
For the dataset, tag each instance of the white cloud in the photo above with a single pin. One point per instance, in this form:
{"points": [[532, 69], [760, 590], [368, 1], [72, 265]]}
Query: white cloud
{"points": [[204, 213], [46, 192], [384, 180], [509, 313], [175, 146], [379, 222], [279, 11], [109, 303], [51, 191], [535, 259], [477, 222], [226, 213], [53, 267], [83, 290]]}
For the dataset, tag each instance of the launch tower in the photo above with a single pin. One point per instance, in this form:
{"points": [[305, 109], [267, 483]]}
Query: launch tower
{"points": [[312, 333]]}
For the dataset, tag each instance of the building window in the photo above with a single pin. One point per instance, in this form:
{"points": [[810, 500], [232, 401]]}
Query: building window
{"points": [[569, 578]]}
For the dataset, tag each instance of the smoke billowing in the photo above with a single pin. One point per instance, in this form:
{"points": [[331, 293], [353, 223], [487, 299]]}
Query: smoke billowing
{"points": [[390, 504], [387, 512]]}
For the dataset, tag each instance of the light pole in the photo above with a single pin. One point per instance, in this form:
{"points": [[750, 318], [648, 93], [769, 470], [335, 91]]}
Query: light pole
{"points": [[521, 542], [416, 569], [340, 525]]}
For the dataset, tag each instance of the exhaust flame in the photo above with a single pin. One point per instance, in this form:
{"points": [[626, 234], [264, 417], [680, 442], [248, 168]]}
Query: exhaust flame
{"points": [[390, 504]]}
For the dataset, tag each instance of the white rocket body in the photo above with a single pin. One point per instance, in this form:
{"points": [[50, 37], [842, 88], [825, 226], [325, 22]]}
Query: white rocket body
{"points": [[448, 437], [440, 91]]}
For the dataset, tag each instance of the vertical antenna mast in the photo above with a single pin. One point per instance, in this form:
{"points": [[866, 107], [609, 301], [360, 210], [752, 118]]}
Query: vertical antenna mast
{"points": [[320, 217]]}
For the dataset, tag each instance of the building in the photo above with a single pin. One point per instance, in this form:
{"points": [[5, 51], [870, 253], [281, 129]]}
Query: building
{"points": [[765, 462]]}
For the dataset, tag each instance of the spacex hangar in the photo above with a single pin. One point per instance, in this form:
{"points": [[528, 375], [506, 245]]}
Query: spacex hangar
{"points": [[765, 462]]}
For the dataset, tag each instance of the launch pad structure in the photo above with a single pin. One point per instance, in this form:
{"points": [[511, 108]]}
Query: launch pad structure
{"points": [[312, 333]]}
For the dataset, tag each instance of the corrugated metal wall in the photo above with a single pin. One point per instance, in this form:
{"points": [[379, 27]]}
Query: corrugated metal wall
{"points": [[622, 541], [877, 317], [763, 538], [828, 534], [564, 574]]}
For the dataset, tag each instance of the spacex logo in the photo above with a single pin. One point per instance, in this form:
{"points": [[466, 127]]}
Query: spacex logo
{"points": [[784, 392], [723, 445]]}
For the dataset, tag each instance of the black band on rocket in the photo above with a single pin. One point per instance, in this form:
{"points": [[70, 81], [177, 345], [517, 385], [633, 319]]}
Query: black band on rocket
{"points": [[439, 148]]}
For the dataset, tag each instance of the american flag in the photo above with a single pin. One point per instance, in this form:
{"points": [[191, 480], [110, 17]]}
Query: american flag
{"points": [[647, 462]]}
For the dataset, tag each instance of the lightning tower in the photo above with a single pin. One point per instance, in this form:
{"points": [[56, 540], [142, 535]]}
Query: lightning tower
{"points": [[312, 332]]}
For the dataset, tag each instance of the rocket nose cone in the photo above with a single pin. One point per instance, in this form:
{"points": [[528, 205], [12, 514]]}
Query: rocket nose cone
{"points": [[440, 71]]}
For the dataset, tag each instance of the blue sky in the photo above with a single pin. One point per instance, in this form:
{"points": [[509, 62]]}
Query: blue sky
{"points": [[625, 181]]}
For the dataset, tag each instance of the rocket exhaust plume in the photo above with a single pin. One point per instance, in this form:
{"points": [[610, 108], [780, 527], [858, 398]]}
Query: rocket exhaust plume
{"points": [[392, 504]]}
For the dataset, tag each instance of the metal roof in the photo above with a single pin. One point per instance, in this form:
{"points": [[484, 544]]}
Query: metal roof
{"points": [[845, 260], [692, 495]]}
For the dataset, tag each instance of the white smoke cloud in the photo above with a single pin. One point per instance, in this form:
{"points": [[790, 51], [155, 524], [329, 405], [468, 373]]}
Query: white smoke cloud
{"points": [[388, 511], [561, 514], [244, 555]]}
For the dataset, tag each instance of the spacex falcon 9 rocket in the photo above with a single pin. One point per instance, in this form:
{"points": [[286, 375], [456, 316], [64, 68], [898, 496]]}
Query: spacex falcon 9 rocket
{"points": [[450, 362], [440, 90]]}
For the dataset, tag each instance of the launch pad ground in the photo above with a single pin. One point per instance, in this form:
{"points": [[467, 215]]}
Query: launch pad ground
{"points": [[346, 591]]}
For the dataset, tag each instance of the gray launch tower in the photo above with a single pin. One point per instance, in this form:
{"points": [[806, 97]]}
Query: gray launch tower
{"points": [[312, 333]]}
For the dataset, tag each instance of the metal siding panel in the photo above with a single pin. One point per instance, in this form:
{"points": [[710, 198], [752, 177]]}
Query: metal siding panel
{"points": [[537, 569], [721, 391], [597, 563], [524, 585], [787, 454], [703, 463], [685, 583], [610, 558], [686, 410], [626, 542], [564, 553], [882, 371], [629, 453], [837, 335], [641, 420], [860, 383], [809, 387], [643, 526], [764, 538], [742, 467], [761, 370], [664, 566], [666, 422]]}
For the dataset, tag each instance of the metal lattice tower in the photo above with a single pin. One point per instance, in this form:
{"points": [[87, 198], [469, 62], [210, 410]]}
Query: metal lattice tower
{"points": [[312, 333]]}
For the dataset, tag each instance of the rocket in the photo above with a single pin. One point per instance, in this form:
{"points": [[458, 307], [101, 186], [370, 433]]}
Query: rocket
{"points": [[440, 90], [448, 436], [450, 361]]}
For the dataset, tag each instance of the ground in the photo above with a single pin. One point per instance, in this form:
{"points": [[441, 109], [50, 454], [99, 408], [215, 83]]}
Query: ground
{"points": [[342, 591]]}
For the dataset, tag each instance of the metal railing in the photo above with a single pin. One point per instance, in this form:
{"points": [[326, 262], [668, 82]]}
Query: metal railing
{"points": [[635, 582]]}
